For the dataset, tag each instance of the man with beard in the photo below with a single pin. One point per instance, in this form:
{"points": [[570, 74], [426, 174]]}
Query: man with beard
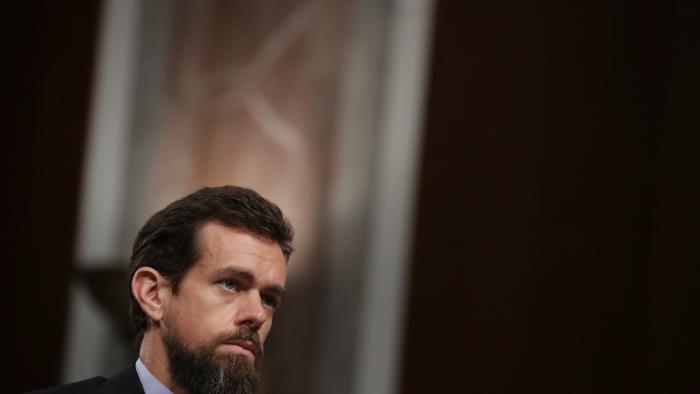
{"points": [[207, 274]]}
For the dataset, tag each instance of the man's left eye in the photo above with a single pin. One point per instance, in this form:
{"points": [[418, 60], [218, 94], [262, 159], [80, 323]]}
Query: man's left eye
{"points": [[230, 284], [270, 302]]}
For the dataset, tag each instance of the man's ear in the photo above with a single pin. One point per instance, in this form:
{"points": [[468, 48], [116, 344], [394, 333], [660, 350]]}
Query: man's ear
{"points": [[148, 287]]}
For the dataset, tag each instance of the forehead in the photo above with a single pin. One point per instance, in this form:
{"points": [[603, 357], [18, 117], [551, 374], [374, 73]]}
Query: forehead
{"points": [[221, 246]]}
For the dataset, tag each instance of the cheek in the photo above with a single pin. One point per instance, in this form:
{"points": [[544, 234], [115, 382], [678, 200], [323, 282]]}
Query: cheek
{"points": [[185, 323], [195, 320]]}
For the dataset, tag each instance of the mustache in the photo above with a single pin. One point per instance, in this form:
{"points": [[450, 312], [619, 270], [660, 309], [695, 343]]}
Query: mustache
{"points": [[243, 334]]}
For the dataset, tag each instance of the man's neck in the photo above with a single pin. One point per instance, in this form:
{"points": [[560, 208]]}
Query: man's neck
{"points": [[153, 355]]}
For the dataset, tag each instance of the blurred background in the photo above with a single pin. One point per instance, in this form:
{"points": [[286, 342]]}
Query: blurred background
{"points": [[489, 197]]}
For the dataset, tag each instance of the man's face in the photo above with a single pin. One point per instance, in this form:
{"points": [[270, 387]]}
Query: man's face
{"points": [[222, 312]]}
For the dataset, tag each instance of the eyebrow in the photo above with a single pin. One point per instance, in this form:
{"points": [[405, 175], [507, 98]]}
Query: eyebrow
{"points": [[249, 277]]}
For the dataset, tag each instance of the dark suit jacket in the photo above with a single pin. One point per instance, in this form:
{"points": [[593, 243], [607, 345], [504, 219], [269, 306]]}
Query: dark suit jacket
{"points": [[125, 383]]}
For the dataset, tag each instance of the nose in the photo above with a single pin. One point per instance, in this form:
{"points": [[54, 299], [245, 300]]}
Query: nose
{"points": [[251, 312]]}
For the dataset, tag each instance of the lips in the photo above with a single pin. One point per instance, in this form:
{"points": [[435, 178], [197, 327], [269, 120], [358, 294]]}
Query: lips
{"points": [[246, 346], [243, 341]]}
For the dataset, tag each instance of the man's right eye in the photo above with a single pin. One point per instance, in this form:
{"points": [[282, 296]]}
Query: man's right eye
{"points": [[230, 284]]}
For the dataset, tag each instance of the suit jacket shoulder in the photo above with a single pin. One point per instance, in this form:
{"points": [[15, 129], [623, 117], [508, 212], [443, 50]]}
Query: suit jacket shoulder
{"points": [[91, 385], [125, 383]]}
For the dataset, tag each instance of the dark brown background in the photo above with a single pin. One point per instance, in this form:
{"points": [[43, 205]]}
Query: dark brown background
{"points": [[558, 216], [50, 52], [557, 221]]}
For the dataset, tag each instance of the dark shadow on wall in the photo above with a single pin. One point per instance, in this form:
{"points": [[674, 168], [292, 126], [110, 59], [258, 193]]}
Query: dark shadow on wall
{"points": [[50, 54], [557, 222]]}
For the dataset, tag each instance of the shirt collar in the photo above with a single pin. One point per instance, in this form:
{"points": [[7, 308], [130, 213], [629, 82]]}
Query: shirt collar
{"points": [[151, 384]]}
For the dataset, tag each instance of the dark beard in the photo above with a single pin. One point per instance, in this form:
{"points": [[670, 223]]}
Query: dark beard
{"points": [[202, 371]]}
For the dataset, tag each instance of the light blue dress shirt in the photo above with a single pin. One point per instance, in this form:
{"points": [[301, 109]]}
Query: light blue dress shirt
{"points": [[151, 384]]}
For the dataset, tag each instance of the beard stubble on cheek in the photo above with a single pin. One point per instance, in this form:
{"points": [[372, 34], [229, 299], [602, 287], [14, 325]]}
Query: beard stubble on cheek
{"points": [[204, 369]]}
